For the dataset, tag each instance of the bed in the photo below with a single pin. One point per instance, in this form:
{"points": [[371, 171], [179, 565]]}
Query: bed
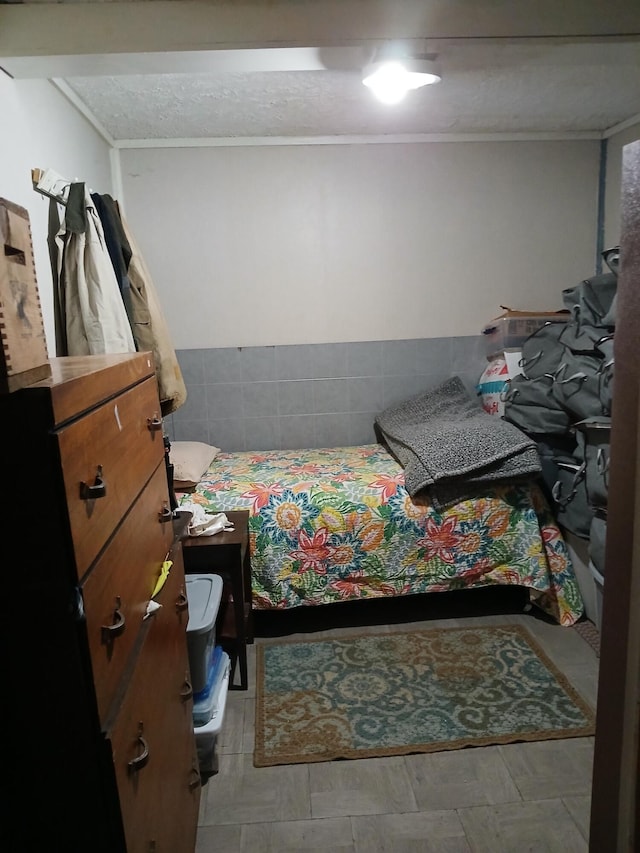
{"points": [[338, 524]]}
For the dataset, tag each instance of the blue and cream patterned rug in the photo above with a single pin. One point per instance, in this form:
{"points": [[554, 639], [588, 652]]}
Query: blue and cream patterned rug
{"points": [[407, 692]]}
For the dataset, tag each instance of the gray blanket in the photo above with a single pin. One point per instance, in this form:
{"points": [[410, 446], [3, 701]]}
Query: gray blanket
{"points": [[449, 446]]}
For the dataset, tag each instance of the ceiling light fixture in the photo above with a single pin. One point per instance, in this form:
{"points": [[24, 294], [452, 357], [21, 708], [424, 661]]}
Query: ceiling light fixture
{"points": [[391, 79]]}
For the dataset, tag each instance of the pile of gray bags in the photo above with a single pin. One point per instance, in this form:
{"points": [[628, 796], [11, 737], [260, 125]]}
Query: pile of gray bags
{"points": [[563, 401]]}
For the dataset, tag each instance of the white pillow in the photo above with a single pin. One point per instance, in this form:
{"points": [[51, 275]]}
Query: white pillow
{"points": [[190, 460]]}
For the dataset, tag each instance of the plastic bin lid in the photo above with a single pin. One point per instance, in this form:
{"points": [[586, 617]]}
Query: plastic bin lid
{"points": [[203, 594]]}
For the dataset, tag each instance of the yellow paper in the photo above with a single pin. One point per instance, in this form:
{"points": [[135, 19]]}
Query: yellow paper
{"points": [[164, 574]]}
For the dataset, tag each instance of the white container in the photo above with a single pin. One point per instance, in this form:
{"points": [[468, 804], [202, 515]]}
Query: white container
{"points": [[511, 329], [203, 594], [207, 735], [598, 580], [207, 702]]}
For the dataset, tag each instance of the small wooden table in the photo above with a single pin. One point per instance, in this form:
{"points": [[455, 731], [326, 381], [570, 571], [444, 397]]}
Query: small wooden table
{"points": [[227, 554]]}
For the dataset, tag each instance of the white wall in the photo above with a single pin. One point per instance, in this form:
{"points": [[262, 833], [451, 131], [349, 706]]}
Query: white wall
{"points": [[40, 129], [615, 145], [328, 243]]}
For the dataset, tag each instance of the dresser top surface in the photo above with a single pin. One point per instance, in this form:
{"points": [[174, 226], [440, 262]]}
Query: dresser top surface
{"points": [[78, 383]]}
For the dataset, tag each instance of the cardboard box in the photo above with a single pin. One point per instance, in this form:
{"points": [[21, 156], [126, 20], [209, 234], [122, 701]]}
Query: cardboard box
{"points": [[24, 347]]}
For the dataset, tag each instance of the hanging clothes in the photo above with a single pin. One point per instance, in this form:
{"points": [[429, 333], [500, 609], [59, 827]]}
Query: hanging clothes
{"points": [[117, 245], [150, 329], [89, 311]]}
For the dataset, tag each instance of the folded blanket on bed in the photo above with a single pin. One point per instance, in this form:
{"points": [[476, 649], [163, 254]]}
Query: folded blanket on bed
{"points": [[449, 446]]}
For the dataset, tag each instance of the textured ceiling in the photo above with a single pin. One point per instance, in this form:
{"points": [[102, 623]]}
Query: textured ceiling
{"points": [[587, 80], [485, 88]]}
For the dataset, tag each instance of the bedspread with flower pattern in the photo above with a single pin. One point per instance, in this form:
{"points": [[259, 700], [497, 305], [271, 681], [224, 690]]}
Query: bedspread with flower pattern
{"points": [[337, 524]]}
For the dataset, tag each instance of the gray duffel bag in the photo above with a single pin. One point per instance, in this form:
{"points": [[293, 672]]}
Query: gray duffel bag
{"points": [[542, 351], [578, 385], [598, 540], [592, 302], [530, 405], [594, 441], [570, 497]]}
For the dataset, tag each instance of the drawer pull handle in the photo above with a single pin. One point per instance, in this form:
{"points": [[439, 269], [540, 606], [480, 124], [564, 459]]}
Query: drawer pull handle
{"points": [[154, 423], [140, 761], [187, 691], [110, 632], [182, 602], [196, 781], [98, 490], [165, 514]]}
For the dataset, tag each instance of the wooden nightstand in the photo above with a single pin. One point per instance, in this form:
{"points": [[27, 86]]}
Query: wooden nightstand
{"points": [[227, 554]]}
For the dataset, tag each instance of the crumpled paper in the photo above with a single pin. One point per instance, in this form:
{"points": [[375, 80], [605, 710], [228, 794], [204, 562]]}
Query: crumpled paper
{"points": [[204, 523]]}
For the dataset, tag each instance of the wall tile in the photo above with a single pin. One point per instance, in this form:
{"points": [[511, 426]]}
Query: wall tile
{"points": [[228, 434], [294, 362], [366, 394], [468, 352], [361, 428], [259, 399], [364, 358], [295, 397], [328, 360], [331, 430], [195, 406], [192, 431], [258, 363], [262, 433], [399, 388], [330, 395], [224, 401], [191, 363], [297, 432], [222, 365], [434, 355], [399, 357]]}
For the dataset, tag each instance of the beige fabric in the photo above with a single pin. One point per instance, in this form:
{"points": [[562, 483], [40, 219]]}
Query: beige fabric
{"points": [[150, 329], [190, 460], [92, 311]]}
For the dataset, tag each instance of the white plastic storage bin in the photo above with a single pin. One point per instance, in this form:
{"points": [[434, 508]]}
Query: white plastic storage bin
{"points": [[207, 734], [203, 594], [511, 329], [207, 701]]}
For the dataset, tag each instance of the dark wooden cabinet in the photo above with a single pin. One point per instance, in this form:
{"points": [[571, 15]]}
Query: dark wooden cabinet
{"points": [[227, 554], [101, 750]]}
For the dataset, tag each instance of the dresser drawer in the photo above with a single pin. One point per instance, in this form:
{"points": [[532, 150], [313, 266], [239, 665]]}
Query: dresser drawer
{"points": [[117, 590], [121, 442], [154, 730]]}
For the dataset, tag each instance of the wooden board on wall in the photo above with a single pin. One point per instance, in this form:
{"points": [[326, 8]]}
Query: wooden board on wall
{"points": [[24, 357]]}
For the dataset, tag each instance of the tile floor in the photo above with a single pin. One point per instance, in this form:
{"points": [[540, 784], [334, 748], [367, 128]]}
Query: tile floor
{"points": [[497, 799]]}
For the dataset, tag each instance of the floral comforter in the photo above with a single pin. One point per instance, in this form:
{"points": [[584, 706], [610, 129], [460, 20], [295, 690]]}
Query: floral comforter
{"points": [[337, 524]]}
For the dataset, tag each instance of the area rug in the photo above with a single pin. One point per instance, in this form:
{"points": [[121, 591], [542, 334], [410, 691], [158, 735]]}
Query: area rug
{"points": [[408, 692]]}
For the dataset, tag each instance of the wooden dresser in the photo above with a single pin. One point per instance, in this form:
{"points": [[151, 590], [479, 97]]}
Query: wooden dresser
{"points": [[100, 742]]}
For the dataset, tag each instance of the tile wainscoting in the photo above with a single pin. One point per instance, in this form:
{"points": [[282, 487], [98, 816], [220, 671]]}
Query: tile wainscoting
{"points": [[310, 395]]}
